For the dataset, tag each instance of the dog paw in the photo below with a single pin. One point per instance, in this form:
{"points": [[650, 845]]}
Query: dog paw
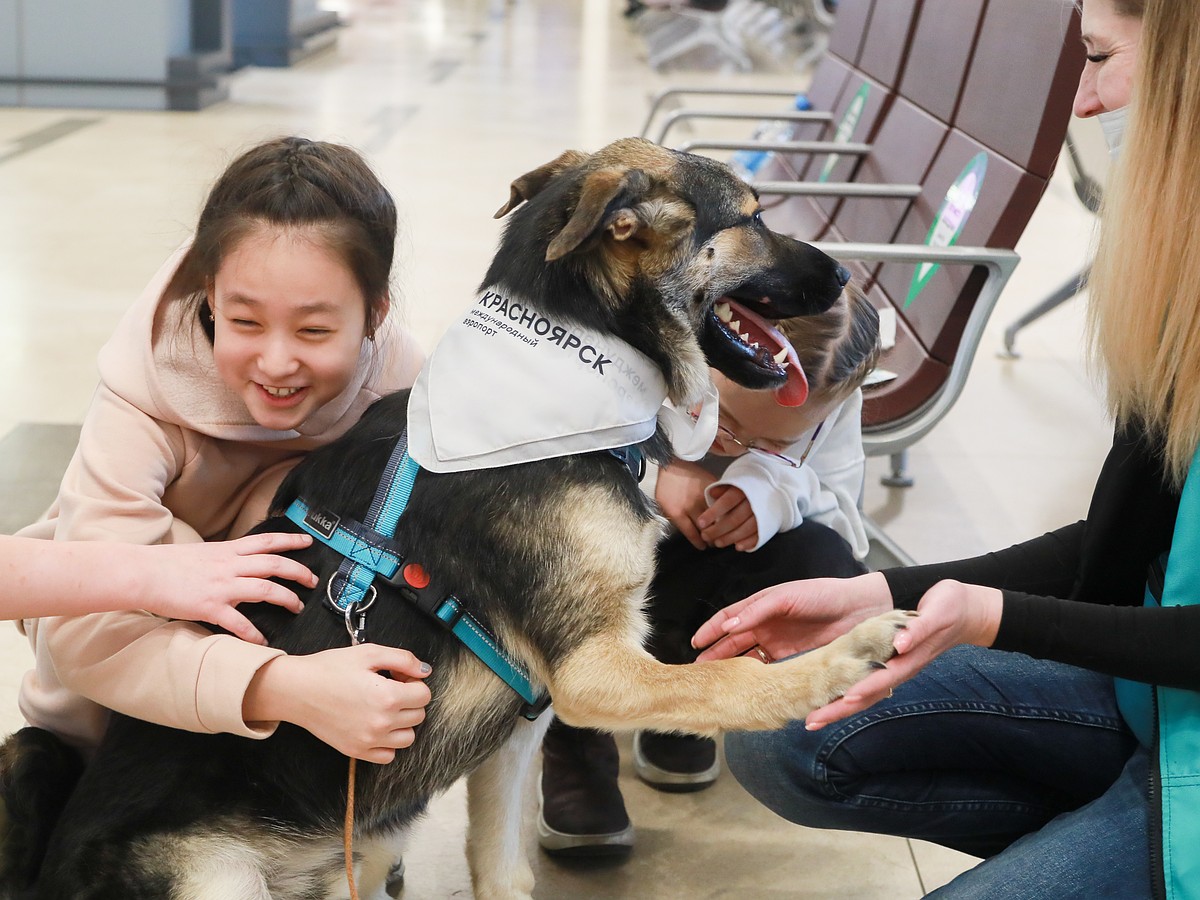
{"points": [[522, 882], [872, 640], [865, 648], [518, 886], [494, 892]]}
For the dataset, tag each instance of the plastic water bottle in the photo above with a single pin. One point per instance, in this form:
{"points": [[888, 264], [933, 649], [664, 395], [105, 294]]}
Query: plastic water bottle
{"points": [[747, 163]]}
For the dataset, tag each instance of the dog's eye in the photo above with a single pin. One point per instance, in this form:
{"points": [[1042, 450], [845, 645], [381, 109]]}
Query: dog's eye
{"points": [[757, 218]]}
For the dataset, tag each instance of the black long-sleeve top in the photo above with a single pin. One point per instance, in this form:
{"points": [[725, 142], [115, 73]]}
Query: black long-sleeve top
{"points": [[1076, 595]]}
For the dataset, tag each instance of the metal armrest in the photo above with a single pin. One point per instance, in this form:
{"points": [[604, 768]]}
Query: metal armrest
{"points": [[663, 96], [837, 189], [883, 440], [846, 149], [1089, 191], [682, 115]]}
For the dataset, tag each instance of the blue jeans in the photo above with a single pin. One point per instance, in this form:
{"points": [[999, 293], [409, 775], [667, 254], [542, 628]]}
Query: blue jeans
{"points": [[1022, 761]]}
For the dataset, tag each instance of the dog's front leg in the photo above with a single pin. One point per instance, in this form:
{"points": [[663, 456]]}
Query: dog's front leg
{"points": [[610, 682], [496, 794]]}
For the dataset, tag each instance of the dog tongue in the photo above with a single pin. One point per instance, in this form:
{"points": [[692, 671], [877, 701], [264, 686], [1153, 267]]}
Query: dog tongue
{"points": [[795, 391]]}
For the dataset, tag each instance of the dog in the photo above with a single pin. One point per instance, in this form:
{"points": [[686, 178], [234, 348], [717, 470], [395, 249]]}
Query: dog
{"points": [[553, 556]]}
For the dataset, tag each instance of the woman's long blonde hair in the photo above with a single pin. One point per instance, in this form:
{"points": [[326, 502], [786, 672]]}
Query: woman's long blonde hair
{"points": [[1144, 318]]}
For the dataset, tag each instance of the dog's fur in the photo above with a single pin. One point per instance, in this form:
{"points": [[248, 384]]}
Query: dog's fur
{"points": [[554, 556]]}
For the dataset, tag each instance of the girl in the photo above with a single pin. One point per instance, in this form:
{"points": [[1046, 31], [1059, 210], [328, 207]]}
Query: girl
{"points": [[776, 497], [264, 337]]}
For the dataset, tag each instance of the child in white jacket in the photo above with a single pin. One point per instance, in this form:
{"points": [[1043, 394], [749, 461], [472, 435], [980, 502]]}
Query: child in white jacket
{"points": [[775, 499]]}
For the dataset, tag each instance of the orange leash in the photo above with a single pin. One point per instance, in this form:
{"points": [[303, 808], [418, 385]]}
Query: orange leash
{"points": [[348, 831]]}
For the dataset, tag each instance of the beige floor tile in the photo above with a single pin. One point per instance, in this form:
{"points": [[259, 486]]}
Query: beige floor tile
{"points": [[713, 844], [939, 865]]}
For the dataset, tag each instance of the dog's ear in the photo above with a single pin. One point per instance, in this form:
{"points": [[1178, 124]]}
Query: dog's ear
{"points": [[527, 186], [604, 201]]}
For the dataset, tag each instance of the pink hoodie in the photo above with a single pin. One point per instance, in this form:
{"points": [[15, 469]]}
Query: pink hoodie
{"points": [[169, 454]]}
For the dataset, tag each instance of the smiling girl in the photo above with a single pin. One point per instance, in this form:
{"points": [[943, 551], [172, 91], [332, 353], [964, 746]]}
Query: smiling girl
{"points": [[263, 338]]}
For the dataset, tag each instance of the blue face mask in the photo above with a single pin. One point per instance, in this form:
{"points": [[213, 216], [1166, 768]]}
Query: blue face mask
{"points": [[1112, 123]]}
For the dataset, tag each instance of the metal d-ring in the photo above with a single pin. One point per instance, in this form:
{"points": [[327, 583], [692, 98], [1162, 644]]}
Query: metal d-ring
{"points": [[359, 606]]}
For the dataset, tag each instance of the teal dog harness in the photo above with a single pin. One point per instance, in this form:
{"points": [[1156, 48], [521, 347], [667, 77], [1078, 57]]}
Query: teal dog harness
{"points": [[368, 552]]}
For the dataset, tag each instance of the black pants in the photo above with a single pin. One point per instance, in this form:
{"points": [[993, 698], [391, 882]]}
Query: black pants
{"points": [[690, 585]]}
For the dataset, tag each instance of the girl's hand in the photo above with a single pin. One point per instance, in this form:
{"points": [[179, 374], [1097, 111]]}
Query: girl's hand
{"points": [[204, 582], [793, 617], [951, 613], [345, 698], [680, 495], [729, 521]]}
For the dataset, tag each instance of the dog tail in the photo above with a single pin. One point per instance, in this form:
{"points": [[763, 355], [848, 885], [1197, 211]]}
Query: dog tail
{"points": [[38, 772]]}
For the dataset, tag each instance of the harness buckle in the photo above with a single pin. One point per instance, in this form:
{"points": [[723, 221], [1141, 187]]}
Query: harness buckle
{"points": [[418, 587]]}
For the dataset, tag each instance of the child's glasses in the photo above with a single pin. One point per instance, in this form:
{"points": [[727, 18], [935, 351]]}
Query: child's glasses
{"points": [[749, 446]]}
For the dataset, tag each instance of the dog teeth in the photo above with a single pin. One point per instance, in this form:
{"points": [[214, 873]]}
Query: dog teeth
{"points": [[724, 312], [784, 364], [781, 356], [734, 324], [755, 345], [745, 337]]}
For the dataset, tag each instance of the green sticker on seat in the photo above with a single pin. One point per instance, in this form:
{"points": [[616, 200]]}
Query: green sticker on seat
{"points": [[950, 219], [846, 128]]}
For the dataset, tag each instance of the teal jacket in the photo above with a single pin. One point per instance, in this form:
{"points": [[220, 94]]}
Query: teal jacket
{"points": [[1168, 718]]}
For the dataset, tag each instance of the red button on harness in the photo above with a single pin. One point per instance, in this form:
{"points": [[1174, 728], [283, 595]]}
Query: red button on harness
{"points": [[415, 575]]}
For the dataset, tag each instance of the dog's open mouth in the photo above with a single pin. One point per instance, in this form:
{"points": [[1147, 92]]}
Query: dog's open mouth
{"points": [[764, 345]]}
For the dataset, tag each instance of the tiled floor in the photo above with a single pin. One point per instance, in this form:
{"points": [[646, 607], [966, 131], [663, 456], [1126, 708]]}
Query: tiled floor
{"points": [[451, 100]]}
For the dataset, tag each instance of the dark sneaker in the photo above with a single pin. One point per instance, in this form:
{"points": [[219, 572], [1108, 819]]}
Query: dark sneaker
{"points": [[675, 762], [581, 811]]}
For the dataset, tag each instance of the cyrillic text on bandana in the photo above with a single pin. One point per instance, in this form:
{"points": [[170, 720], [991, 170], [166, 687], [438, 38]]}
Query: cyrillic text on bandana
{"points": [[509, 383]]}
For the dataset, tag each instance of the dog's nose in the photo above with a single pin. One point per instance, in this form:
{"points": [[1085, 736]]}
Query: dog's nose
{"points": [[843, 275]]}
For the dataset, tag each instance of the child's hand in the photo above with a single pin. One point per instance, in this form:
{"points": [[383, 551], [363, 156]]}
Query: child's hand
{"points": [[680, 496], [344, 697], [729, 521], [204, 582]]}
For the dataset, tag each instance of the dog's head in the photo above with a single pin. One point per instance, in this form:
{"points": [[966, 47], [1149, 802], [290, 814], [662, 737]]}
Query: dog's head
{"points": [[674, 249]]}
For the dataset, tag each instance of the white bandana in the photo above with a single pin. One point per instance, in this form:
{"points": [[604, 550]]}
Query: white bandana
{"points": [[507, 384], [692, 434]]}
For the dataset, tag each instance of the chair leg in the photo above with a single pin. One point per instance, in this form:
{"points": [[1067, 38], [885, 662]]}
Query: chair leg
{"points": [[899, 477], [1068, 290]]}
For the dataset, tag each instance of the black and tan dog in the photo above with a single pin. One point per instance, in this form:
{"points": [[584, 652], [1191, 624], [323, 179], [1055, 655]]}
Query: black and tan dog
{"points": [[553, 556]]}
